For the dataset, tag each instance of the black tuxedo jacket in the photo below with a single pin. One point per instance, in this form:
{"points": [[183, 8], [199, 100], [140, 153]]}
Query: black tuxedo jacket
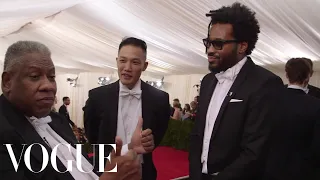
{"points": [[313, 91], [101, 116], [15, 129], [295, 139], [239, 133], [63, 111]]}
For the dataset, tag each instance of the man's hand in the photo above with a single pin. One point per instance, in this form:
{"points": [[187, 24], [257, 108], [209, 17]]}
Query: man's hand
{"points": [[142, 141], [128, 166]]}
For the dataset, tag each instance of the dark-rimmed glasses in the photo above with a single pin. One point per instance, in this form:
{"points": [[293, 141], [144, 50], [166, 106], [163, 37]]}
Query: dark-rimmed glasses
{"points": [[217, 44]]}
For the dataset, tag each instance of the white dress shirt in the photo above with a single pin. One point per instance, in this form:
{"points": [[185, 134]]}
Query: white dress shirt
{"points": [[225, 81], [305, 89], [129, 111], [51, 138]]}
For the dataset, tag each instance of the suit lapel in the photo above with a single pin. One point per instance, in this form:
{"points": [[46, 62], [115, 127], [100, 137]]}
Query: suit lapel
{"points": [[208, 92], [233, 90], [112, 106], [23, 128], [146, 105]]}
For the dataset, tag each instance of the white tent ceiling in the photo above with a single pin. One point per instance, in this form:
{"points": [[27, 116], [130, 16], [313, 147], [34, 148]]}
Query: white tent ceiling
{"points": [[84, 34]]}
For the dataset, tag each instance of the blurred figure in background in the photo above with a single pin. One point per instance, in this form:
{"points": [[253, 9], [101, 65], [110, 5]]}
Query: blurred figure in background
{"points": [[186, 112], [194, 109], [63, 110], [177, 115], [295, 138]]}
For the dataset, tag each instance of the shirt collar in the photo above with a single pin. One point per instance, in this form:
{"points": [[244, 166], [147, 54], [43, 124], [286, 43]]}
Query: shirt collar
{"points": [[137, 86], [293, 86], [232, 72]]}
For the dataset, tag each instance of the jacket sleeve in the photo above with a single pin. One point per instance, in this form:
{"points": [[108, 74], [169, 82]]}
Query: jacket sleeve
{"points": [[91, 122]]}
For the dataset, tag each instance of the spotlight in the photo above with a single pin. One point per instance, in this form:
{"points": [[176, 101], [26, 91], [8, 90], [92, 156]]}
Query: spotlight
{"points": [[72, 81], [157, 84], [104, 80]]}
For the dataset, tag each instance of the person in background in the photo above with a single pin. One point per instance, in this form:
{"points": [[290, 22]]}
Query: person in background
{"points": [[186, 112], [82, 137], [196, 99], [294, 150], [313, 91], [129, 108], [63, 110], [29, 88], [194, 109], [229, 137], [177, 115], [175, 101]]}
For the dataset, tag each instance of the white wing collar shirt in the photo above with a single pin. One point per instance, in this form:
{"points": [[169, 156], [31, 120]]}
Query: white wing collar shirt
{"points": [[225, 81], [51, 138], [129, 111]]}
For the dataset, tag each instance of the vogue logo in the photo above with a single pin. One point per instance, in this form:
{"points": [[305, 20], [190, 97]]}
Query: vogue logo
{"points": [[53, 157]]}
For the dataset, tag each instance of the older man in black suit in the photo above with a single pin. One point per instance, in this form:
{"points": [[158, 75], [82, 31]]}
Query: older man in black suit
{"points": [[29, 88], [229, 136], [129, 108]]}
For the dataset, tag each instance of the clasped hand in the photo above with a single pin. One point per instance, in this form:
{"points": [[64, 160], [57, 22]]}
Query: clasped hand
{"points": [[142, 140], [128, 165]]}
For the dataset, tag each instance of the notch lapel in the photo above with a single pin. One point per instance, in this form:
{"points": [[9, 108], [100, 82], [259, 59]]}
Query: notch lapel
{"points": [[112, 109], [146, 105], [204, 102], [233, 90]]}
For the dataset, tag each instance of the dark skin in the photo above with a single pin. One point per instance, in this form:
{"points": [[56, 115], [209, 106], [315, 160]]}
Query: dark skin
{"points": [[67, 101], [230, 54], [30, 85]]}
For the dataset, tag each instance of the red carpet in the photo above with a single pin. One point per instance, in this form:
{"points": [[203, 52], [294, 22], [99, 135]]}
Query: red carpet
{"points": [[170, 163]]}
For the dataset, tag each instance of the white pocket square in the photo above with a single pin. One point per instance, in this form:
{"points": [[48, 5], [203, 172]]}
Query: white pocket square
{"points": [[236, 100]]}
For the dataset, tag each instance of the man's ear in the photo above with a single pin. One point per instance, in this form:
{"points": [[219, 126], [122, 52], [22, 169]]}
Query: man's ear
{"points": [[145, 65], [243, 47], [6, 82]]}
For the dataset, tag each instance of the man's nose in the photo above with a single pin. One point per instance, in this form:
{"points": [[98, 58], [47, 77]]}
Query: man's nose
{"points": [[47, 84], [128, 66], [211, 49]]}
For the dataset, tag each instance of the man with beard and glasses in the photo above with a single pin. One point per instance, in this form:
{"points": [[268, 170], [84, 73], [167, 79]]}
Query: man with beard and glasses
{"points": [[229, 136]]}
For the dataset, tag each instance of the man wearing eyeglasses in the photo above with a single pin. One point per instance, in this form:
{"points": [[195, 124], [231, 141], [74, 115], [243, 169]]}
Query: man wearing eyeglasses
{"points": [[229, 136]]}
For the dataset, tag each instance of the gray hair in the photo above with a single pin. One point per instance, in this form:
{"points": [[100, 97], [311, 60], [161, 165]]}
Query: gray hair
{"points": [[19, 49]]}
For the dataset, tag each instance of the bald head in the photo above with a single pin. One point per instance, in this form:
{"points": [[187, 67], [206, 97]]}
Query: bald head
{"points": [[17, 50]]}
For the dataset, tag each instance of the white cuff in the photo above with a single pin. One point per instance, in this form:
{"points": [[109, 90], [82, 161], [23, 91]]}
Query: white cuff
{"points": [[124, 149]]}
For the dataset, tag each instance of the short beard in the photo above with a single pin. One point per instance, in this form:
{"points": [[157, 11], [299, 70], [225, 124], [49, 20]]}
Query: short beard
{"points": [[214, 70], [227, 64]]}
